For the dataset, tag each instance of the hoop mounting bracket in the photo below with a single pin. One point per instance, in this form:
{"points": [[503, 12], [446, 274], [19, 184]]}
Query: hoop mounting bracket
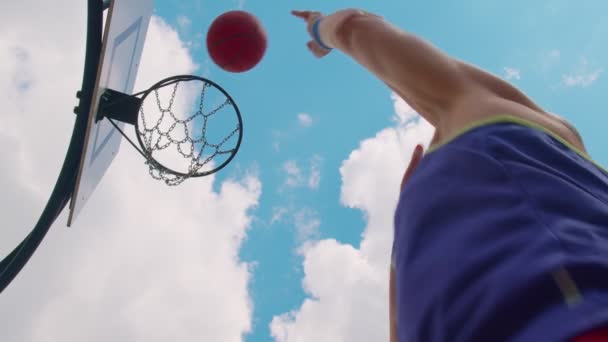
{"points": [[118, 106]]}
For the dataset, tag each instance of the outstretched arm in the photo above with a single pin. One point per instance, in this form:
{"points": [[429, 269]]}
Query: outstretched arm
{"points": [[444, 90], [428, 79]]}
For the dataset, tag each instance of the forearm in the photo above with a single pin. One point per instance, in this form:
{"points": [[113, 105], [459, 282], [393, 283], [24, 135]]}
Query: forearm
{"points": [[425, 77], [332, 24]]}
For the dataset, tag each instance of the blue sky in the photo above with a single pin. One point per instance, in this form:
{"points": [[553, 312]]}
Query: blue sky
{"points": [[311, 189]]}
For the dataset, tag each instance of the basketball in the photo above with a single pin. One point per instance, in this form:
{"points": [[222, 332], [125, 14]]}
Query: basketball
{"points": [[236, 41]]}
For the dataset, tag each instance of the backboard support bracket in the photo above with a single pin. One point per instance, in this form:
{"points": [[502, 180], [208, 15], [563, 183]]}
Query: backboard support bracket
{"points": [[118, 106]]}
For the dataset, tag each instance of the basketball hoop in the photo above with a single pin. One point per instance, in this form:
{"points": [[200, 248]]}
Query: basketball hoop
{"points": [[186, 126]]}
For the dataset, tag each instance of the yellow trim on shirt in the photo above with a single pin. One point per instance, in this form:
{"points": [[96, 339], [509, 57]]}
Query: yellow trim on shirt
{"points": [[515, 120]]}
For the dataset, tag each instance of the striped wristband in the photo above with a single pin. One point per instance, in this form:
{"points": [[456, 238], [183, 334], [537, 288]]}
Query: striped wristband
{"points": [[317, 36]]}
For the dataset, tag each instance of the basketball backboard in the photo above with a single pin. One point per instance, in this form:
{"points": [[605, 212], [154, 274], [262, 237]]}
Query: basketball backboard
{"points": [[123, 40]]}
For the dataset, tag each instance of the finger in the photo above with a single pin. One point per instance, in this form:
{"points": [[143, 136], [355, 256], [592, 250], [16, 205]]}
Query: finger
{"points": [[320, 52], [416, 157], [308, 16], [316, 49], [301, 14], [310, 47]]}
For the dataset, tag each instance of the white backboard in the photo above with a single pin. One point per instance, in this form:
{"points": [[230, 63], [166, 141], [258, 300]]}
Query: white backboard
{"points": [[123, 40]]}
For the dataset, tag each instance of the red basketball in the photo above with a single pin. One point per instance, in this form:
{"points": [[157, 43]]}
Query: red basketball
{"points": [[236, 41]]}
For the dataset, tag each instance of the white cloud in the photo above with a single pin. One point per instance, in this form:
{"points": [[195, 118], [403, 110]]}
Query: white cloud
{"points": [[403, 111], [184, 23], [293, 173], [280, 136], [584, 79], [307, 224], [144, 262], [512, 73], [314, 178], [305, 120], [277, 214], [295, 177], [583, 76], [277, 139], [347, 286]]}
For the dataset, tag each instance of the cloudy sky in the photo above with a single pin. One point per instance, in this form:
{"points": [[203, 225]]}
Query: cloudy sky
{"points": [[291, 241]]}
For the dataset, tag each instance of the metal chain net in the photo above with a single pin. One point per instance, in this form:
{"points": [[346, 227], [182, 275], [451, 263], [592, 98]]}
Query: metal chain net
{"points": [[159, 137]]}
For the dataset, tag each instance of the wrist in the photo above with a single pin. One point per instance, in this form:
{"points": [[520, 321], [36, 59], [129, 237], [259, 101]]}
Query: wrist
{"points": [[333, 29], [317, 36]]}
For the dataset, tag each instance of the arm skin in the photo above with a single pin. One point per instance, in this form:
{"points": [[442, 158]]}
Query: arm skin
{"points": [[445, 91], [429, 80]]}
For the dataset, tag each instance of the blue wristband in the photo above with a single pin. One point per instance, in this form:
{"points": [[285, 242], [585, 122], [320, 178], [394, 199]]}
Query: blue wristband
{"points": [[316, 36]]}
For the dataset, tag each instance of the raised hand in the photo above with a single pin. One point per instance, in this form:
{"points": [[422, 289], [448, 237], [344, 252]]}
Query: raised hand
{"points": [[310, 17]]}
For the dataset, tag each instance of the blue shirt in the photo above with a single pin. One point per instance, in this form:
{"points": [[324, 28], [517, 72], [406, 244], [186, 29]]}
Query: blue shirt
{"points": [[501, 234]]}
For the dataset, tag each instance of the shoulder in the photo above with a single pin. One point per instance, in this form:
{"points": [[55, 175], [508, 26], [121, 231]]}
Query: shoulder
{"points": [[487, 96]]}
